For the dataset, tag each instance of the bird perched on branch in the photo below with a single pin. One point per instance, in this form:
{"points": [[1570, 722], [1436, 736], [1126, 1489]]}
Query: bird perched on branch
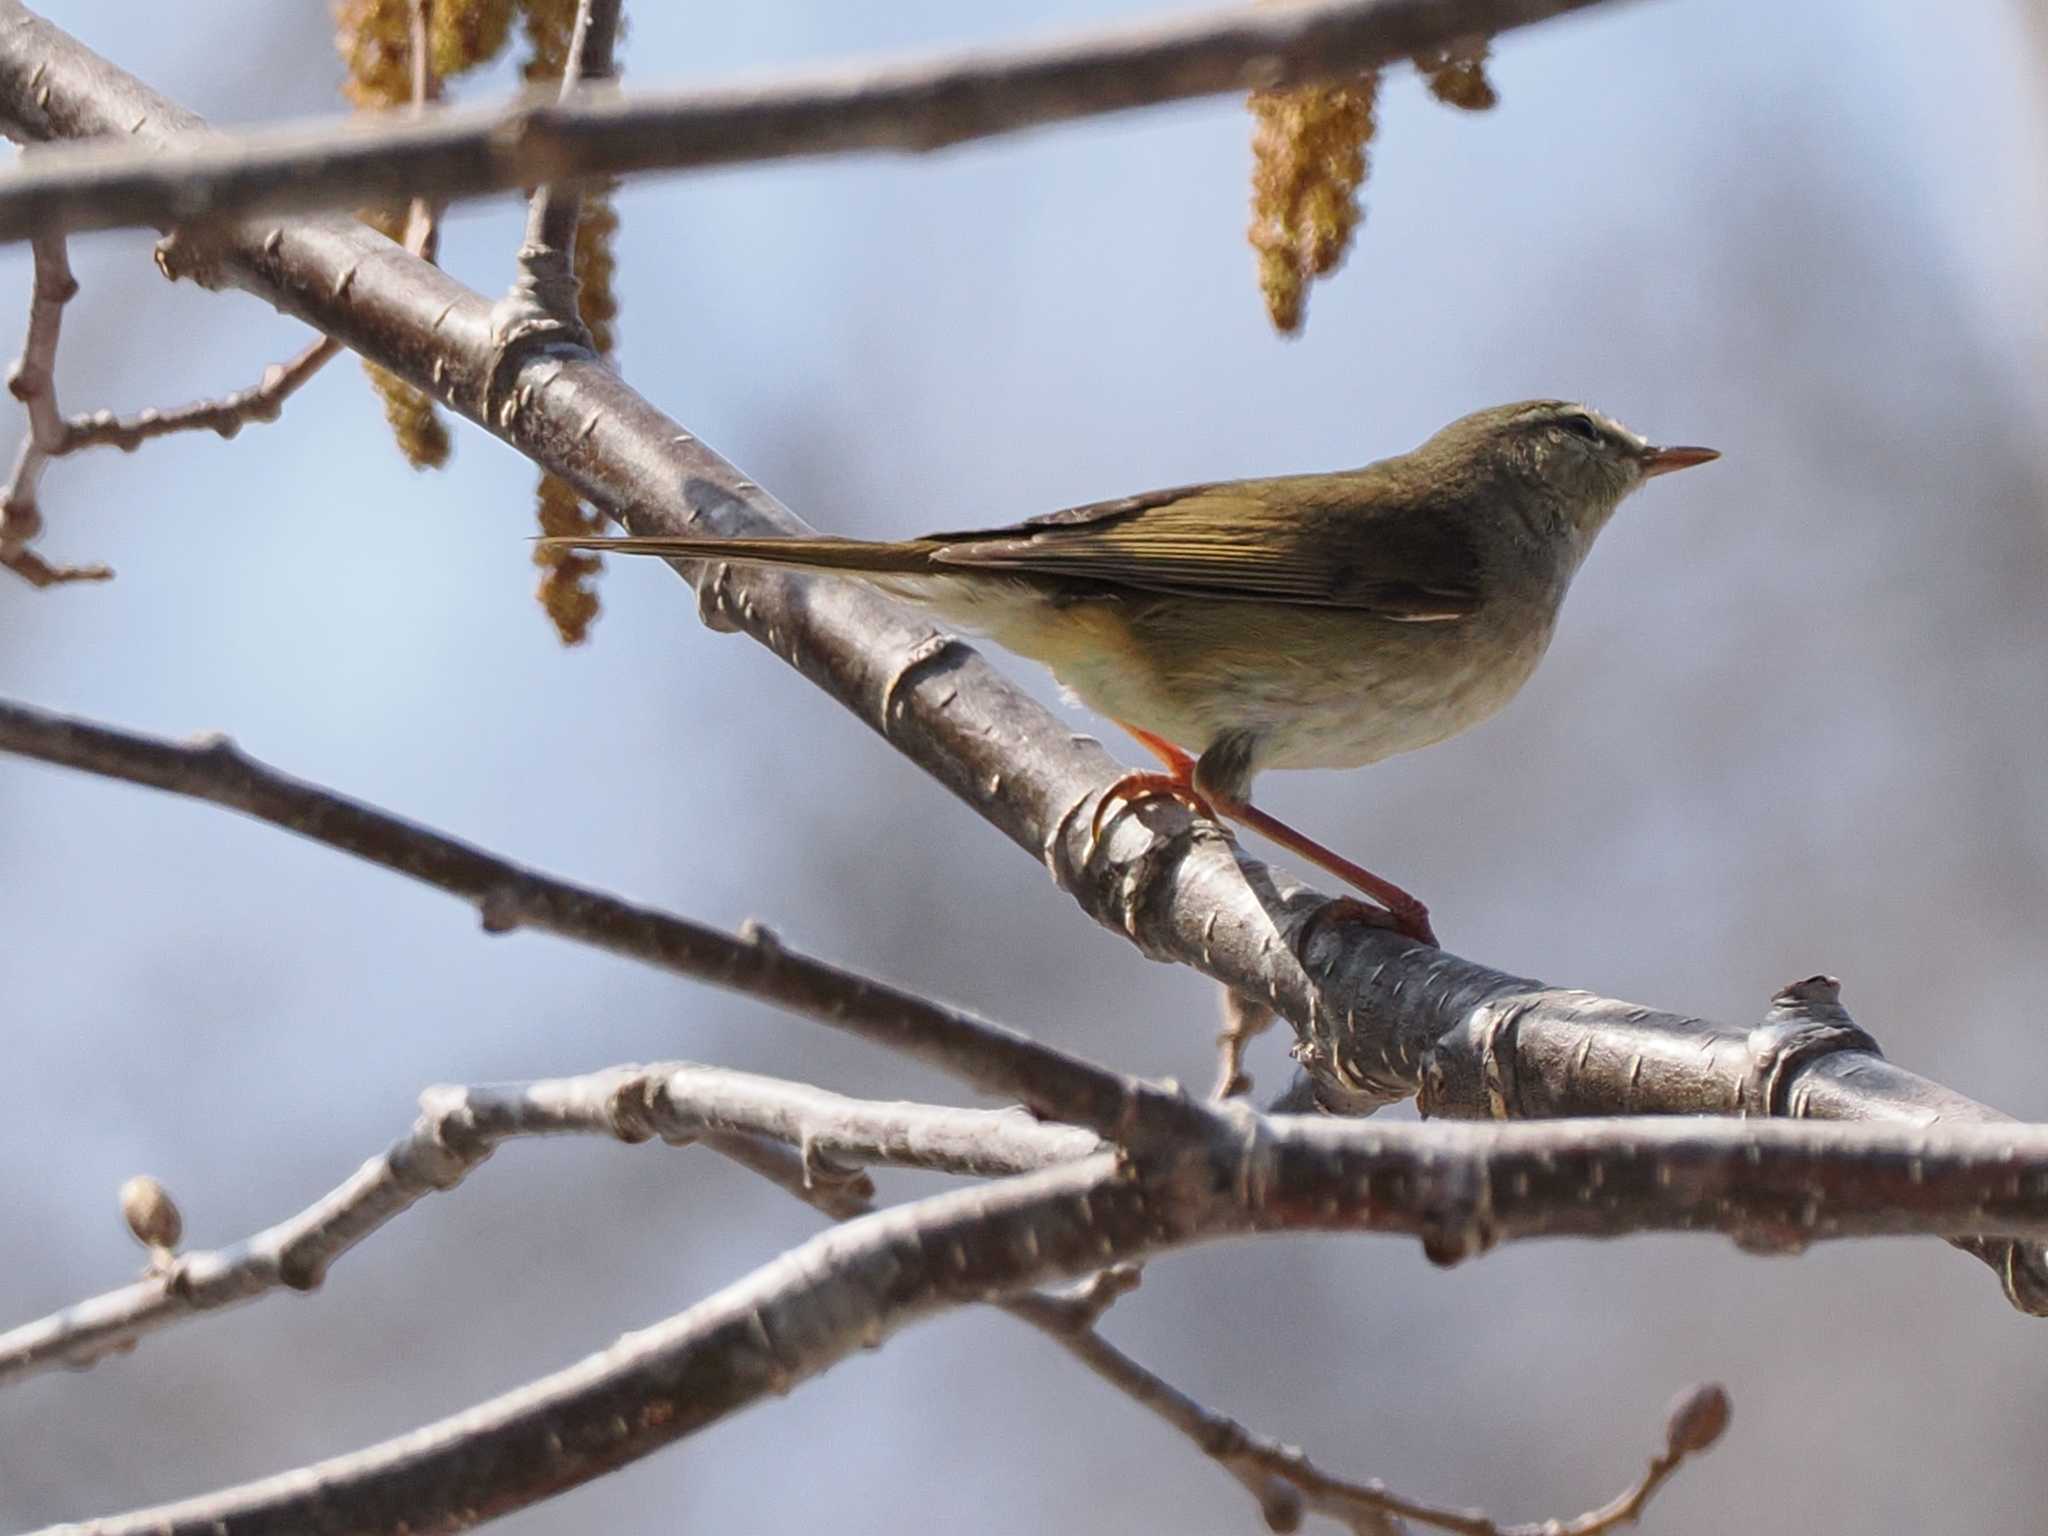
{"points": [[1303, 621]]}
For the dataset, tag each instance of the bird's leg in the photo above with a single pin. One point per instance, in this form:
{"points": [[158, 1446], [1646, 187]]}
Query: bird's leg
{"points": [[1177, 783], [1409, 915], [1406, 914]]}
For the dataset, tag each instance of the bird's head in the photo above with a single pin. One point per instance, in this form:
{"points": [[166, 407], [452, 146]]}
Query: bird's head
{"points": [[1570, 463]]}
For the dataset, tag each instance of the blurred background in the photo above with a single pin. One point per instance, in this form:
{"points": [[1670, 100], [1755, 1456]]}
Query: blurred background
{"points": [[1794, 720]]}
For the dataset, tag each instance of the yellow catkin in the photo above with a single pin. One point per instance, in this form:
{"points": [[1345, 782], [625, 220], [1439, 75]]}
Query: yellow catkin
{"points": [[566, 587], [416, 425], [597, 299], [374, 39], [550, 24], [565, 577], [461, 34], [1457, 75], [1308, 163]]}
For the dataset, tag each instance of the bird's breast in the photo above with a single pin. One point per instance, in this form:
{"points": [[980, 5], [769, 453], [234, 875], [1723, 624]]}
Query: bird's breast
{"points": [[1321, 687]]}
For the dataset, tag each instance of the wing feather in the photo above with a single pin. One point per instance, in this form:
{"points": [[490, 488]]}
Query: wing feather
{"points": [[1341, 541]]}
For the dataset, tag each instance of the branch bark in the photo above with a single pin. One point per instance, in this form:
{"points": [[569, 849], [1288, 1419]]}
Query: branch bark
{"points": [[1459, 1187], [1377, 1018], [912, 105]]}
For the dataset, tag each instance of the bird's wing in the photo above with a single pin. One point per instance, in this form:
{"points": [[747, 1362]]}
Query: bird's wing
{"points": [[1337, 541]]}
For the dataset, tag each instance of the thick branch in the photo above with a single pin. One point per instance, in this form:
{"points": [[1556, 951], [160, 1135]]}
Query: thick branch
{"points": [[1769, 1184], [459, 1128], [1378, 1018], [912, 105]]}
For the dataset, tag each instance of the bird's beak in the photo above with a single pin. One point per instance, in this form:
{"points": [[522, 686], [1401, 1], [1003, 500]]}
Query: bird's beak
{"points": [[1661, 461]]}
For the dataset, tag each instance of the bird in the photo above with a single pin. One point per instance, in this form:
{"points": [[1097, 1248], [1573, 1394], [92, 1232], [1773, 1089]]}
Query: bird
{"points": [[1326, 620]]}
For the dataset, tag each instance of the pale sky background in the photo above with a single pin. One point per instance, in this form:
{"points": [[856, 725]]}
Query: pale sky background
{"points": [[1794, 721]]}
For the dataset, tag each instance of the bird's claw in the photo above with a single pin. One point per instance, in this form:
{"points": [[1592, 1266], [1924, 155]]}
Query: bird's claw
{"points": [[1410, 923], [1134, 788]]}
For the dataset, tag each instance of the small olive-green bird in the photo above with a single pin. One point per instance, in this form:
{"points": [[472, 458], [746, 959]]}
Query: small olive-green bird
{"points": [[1303, 621]]}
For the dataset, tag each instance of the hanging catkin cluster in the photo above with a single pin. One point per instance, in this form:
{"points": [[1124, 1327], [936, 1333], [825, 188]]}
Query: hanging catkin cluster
{"points": [[1309, 161], [1457, 75], [375, 40]]}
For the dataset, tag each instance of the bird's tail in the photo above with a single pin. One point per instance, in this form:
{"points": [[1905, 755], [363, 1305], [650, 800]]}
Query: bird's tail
{"points": [[860, 557]]}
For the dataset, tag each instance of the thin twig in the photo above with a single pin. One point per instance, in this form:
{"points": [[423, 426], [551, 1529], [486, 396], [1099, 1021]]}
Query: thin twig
{"points": [[1285, 1483], [53, 435], [510, 897], [32, 381], [423, 214], [1244, 1020], [745, 1117], [543, 300], [686, 1100], [260, 402], [914, 105]]}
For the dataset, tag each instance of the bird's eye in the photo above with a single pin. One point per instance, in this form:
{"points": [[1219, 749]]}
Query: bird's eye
{"points": [[1581, 426]]}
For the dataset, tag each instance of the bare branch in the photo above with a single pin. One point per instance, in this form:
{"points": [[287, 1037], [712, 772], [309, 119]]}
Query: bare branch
{"points": [[260, 402], [1376, 1018], [688, 1100], [53, 435], [1460, 1187], [38, 572], [913, 105], [1286, 1484], [423, 215], [509, 897], [1244, 1020], [543, 297], [32, 381], [738, 1114], [1281, 1480], [839, 1193]]}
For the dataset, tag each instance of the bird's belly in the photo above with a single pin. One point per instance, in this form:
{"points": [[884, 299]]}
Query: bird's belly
{"points": [[1424, 684], [1321, 688]]}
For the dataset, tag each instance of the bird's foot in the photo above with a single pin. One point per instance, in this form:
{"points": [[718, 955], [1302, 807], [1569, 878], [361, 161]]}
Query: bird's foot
{"points": [[1396, 910], [1134, 788], [1349, 909]]}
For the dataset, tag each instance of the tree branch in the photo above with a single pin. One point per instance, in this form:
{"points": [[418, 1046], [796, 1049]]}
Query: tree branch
{"points": [[53, 435], [33, 381], [459, 1128], [1281, 1480], [1377, 1018], [1459, 1187], [510, 897], [1285, 1484], [542, 302], [913, 105]]}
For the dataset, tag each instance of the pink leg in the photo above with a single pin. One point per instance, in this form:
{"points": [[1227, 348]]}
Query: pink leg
{"points": [[1410, 916], [1399, 910]]}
